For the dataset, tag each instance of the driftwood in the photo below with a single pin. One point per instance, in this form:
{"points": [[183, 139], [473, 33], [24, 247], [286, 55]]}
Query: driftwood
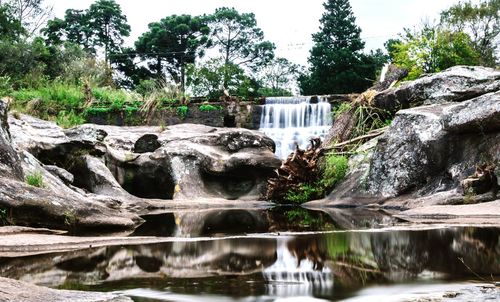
{"points": [[356, 141], [299, 168]]}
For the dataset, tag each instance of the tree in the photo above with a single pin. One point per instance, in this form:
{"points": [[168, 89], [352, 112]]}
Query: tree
{"points": [[209, 78], [108, 25], [337, 64], [172, 44], [74, 28], [10, 27], [278, 76], [433, 49], [238, 39], [481, 22], [32, 14]]}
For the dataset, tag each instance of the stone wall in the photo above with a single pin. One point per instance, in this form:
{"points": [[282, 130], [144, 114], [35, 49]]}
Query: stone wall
{"points": [[226, 114]]}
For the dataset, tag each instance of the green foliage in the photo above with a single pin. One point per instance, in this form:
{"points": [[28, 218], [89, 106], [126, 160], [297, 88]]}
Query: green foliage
{"points": [[277, 77], [35, 179], [173, 43], [343, 107], [337, 63], [5, 86], [432, 50], [10, 27], [239, 41], [182, 111], [336, 167], [69, 119], [481, 21], [208, 108], [101, 25], [4, 218], [210, 78], [304, 193]]}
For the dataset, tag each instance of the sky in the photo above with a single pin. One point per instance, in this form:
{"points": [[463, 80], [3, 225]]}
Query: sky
{"points": [[287, 23]]}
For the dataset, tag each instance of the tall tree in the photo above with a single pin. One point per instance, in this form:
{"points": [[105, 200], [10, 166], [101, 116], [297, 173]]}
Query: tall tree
{"points": [[172, 44], [109, 25], [336, 59], [481, 22], [32, 14], [74, 28], [238, 39]]}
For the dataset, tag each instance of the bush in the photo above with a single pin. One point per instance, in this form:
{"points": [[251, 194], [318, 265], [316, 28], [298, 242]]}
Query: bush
{"points": [[208, 107], [35, 179], [182, 111], [69, 119], [303, 193], [336, 167]]}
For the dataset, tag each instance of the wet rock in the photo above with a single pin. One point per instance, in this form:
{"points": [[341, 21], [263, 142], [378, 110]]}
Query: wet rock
{"points": [[455, 84], [18, 291]]}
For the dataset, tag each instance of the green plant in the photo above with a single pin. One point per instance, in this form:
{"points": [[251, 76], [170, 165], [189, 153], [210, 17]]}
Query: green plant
{"points": [[208, 107], [70, 218], [336, 167], [4, 219], [35, 179], [69, 119], [343, 107], [304, 193], [182, 111]]}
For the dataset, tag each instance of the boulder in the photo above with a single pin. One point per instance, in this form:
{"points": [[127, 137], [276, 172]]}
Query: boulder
{"points": [[434, 147], [455, 84], [428, 153]]}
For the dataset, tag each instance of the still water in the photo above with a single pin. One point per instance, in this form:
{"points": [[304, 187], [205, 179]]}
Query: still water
{"points": [[274, 255]]}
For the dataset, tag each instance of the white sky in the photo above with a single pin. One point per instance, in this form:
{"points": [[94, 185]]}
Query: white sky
{"points": [[287, 23]]}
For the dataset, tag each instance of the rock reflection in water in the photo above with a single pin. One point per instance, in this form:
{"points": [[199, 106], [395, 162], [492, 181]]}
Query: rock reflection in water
{"points": [[330, 266]]}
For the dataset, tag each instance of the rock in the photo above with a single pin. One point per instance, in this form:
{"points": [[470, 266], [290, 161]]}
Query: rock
{"points": [[455, 84], [52, 203], [147, 143], [483, 181], [64, 175], [134, 163], [17, 291], [435, 146], [393, 75], [9, 160]]}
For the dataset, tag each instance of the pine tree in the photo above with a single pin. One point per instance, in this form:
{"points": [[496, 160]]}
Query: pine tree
{"points": [[337, 63]]}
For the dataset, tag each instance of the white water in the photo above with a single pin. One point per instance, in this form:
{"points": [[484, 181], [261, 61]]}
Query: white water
{"points": [[294, 120], [288, 278]]}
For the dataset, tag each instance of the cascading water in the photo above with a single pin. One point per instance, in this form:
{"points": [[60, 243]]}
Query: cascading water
{"points": [[288, 277], [294, 120]]}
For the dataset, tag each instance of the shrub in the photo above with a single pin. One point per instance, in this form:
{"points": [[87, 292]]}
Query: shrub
{"points": [[182, 111], [336, 167], [208, 107], [69, 119], [35, 179], [303, 193]]}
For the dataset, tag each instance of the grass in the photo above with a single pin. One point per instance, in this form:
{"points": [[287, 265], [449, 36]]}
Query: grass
{"points": [[208, 108], [182, 111], [35, 179]]}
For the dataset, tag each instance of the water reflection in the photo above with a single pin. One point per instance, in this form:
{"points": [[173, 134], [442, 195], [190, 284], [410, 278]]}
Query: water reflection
{"points": [[327, 266]]}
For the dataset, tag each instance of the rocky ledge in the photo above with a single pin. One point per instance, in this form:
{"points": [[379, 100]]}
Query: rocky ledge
{"points": [[102, 177], [444, 150]]}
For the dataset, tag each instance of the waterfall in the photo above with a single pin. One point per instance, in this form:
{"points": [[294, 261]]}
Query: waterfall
{"points": [[287, 277], [294, 120]]}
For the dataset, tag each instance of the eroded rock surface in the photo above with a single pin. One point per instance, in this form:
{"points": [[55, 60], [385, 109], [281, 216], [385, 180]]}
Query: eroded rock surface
{"points": [[94, 176], [428, 150]]}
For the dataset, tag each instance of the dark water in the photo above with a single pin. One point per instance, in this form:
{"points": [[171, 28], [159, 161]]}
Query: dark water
{"points": [[272, 255]]}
